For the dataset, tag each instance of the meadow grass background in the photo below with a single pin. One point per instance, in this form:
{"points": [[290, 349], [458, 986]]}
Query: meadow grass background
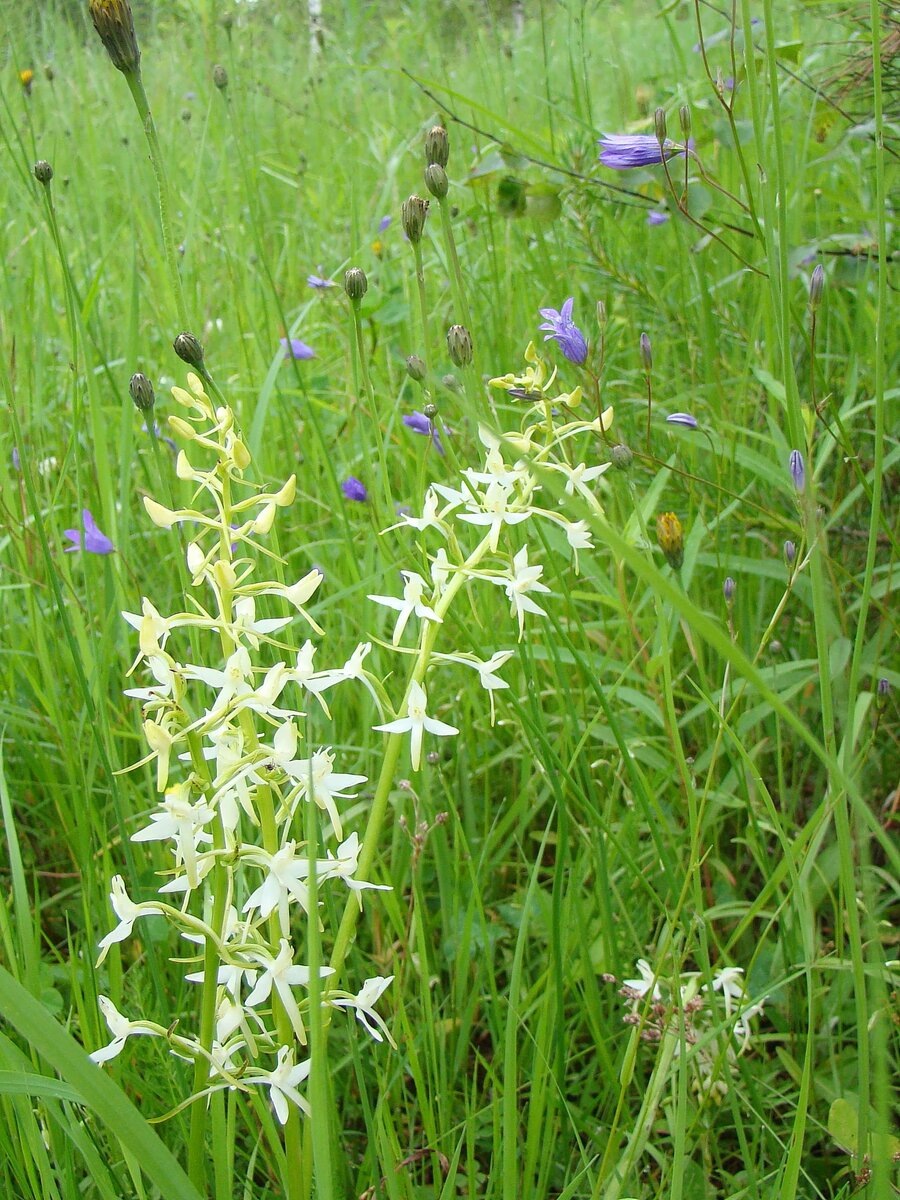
{"points": [[668, 778]]}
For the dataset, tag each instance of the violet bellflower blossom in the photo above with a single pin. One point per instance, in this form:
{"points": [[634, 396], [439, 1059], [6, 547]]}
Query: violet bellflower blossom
{"points": [[797, 467], [684, 419], [318, 281], [563, 330], [622, 151], [91, 540], [294, 348], [419, 423], [384, 223], [654, 217], [354, 489]]}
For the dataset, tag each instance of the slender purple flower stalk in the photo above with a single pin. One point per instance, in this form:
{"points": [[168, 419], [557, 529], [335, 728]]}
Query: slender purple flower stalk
{"points": [[91, 540], [419, 423], [354, 489], [798, 470], [622, 151], [294, 348], [683, 419], [563, 330]]}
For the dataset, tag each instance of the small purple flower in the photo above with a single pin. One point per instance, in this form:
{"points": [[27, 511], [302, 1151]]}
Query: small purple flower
{"points": [[798, 470], [16, 461], [622, 151], [728, 589], [294, 348], [354, 489], [92, 540], [383, 223], [419, 423], [683, 419], [564, 331], [318, 281], [790, 552], [655, 217]]}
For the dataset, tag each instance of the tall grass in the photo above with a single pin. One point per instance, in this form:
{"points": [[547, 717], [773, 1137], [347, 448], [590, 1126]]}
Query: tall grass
{"points": [[674, 776]]}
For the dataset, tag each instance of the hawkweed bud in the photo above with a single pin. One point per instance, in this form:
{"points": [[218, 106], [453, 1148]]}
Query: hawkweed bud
{"points": [[646, 352], [670, 536], [684, 117], [415, 368], [412, 216], [659, 125], [189, 350], [430, 411], [220, 77], [43, 172], [436, 181], [141, 391], [355, 283], [437, 146], [115, 25], [728, 590], [459, 344], [816, 287], [601, 315], [451, 383], [621, 457]]}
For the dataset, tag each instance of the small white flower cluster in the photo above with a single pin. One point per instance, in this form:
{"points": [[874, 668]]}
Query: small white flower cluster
{"points": [[233, 773], [681, 1008], [233, 765]]}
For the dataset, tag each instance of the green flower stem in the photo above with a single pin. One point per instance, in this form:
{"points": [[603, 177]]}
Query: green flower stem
{"points": [[362, 359], [456, 280], [423, 307], [392, 753], [142, 104]]}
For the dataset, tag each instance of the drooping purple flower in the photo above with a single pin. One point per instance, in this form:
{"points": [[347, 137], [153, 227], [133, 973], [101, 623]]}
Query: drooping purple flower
{"points": [[294, 348], [563, 330], [383, 223], [622, 151], [683, 419], [354, 489], [798, 470], [318, 281], [654, 217], [91, 540], [419, 423]]}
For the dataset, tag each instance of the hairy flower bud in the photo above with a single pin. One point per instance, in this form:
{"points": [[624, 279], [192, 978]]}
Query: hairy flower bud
{"points": [[141, 391], [355, 283], [43, 172], [459, 344], [601, 315], [437, 146], [189, 350], [220, 77], [621, 457], [430, 411], [816, 287], [684, 116], [436, 181], [670, 535], [115, 25], [415, 368], [412, 215], [659, 125]]}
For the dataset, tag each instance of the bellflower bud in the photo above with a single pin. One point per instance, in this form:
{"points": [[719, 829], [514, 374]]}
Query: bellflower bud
{"points": [[798, 470], [189, 350], [459, 344], [659, 125], [437, 146], [816, 287], [601, 315], [728, 590], [141, 391], [412, 215], [790, 552], [684, 116], [646, 352], [355, 283], [43, 172]]}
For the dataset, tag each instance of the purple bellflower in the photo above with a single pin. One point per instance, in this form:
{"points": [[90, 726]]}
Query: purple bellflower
{"points": [[622, 151], [563, 330], [318, 281], [354, 489], [383, 223], [655, 217], [294, 348], [16, 460], [419, 423], [683, 419], [798, 470], [92, 540]]}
